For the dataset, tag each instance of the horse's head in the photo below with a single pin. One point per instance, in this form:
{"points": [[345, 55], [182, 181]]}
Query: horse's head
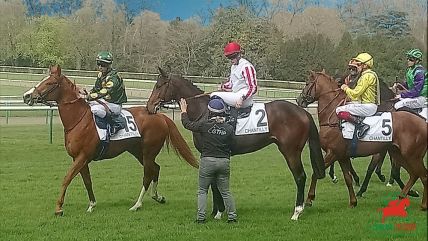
{"points": [[162, 91], [169, 88], [47, 90], [316, 84]]}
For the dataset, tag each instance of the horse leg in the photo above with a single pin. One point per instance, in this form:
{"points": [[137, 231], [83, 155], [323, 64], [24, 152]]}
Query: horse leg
{"points": [[78, 164], [354, 175], [373, 164], [294, 162], [300, 179], [331, 174], [345, 166], [395, 175], [378, 170], [218, 203], [155, 195], [149, 172], [86, 176], [328, 160], [391, 174], [147, 179]]}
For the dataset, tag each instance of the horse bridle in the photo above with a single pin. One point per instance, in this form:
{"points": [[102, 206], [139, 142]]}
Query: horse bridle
{"points": [[309, 99], [42, 95]]}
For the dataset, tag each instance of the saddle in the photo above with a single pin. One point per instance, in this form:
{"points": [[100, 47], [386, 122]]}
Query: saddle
{"points": [[111, 123]]}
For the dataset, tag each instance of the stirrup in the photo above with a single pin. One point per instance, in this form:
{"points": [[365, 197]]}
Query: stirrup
{"points": [[362, 131]]}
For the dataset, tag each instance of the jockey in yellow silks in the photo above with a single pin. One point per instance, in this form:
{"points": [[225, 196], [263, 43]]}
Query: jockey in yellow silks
{"points": [[364, 97]]}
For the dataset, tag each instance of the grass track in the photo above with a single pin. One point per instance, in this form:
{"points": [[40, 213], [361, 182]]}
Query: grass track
{"points": [[31, 172]]}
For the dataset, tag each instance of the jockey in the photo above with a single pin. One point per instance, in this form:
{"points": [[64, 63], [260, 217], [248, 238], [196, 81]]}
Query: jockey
{"points": [[351, 79], [238, 91], [416, 92], [364, 97], [108, 94]]}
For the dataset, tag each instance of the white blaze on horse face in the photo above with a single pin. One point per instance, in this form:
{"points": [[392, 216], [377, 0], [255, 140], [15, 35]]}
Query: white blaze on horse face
{"points": [[29, 92]]}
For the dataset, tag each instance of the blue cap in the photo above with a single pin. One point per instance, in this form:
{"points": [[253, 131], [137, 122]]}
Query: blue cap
{"points": [[216, 106]]}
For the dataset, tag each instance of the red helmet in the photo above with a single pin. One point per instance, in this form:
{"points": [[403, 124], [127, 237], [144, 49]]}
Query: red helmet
{"points": [[232, 48]]}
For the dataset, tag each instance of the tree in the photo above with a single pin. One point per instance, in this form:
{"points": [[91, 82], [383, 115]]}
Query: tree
{"points": [[12, 17]]}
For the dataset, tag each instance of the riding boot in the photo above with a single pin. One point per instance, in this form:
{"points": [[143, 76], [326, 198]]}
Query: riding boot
{"points": [[117, 122], [362, 128]]}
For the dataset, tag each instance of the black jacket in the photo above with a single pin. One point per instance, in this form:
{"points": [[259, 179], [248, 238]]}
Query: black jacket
{"points": [[216, 137]]}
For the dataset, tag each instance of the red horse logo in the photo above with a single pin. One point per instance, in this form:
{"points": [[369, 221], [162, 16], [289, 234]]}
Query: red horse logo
{"points": [[395, 208]]}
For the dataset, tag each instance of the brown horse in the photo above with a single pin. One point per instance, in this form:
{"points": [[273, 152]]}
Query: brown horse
{"points": [[81, 138], [408, 146], [387, 100], [289, 128]]}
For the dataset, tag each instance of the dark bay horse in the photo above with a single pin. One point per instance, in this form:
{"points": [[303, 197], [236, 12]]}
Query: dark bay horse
{"points": [[408, 146], [289, 128], [81, 138]]}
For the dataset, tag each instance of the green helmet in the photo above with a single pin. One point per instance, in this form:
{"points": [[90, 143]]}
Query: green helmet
{"points": [[414, 53], [105, 56]]}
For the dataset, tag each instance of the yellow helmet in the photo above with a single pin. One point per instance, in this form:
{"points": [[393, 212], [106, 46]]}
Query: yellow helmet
{"points": [[365, 58]]}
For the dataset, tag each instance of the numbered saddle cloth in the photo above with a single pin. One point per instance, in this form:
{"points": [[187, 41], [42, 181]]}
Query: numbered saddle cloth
{"points": [[255, 123], [380, 128], [131, 129]]}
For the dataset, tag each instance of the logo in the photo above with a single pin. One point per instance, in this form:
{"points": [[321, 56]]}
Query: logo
{"points": [[395, 208], [394, 220]]}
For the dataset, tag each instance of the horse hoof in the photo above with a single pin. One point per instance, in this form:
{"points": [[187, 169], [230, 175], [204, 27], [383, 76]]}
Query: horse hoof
{"points": [[160, 199], [382, 178], [424, 208], [135, 207], [334, 180], [413, 193], [218, 215], [59, 213], [389, 184], [353, 205], [359, 194], [308, 203]]}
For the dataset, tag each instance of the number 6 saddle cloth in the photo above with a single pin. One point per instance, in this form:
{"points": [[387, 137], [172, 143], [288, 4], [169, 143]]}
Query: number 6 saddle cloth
{"points": [[380, 128], [255, 123], [131, 129]]}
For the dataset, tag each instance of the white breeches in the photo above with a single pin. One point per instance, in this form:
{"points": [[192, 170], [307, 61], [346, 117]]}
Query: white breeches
{"points": [[412, 103], [358, 109], [100, 111], [230, 98]]}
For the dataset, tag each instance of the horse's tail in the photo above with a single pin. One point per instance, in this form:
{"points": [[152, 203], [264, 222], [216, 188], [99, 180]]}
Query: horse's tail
{"points": [[179, 144], [317, 159]]}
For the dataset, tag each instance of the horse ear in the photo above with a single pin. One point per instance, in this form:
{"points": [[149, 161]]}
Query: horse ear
{"points": [[162, 72], [323, 71], [55, 70]]}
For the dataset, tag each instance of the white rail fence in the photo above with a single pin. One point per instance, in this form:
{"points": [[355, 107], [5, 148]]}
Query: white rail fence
{"points": [[15, 103]]}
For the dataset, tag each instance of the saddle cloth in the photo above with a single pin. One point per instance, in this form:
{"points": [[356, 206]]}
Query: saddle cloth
{"points": [[131, 130], [380, 128], [424, 113], [255, 123]]}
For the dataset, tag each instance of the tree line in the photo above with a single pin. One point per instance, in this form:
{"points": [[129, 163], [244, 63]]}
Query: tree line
{"points": [[284, 39]]}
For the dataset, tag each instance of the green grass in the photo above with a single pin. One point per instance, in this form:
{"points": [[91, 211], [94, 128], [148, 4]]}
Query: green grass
{"points": [[31, 172]]}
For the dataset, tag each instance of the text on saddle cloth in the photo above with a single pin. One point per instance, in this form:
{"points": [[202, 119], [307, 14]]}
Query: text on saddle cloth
{"points": [[255, 123], [131, 129], [380, 128]]}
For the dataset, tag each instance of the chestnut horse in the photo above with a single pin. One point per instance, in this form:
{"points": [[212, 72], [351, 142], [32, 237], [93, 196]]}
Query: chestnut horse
{"points": [[81, 138], [387, 100], [289, 128], [408, 146]]}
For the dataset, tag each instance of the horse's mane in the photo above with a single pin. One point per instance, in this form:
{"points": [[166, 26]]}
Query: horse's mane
{"points": [[186, 81], [330, 78]]}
